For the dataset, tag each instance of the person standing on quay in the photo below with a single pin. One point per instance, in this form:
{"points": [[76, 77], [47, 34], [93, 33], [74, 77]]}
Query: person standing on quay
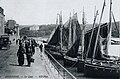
{"points": [[33, 45], [28, 53], [20, 54], [41, 47]]}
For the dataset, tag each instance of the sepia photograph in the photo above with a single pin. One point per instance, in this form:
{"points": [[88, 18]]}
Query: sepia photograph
{"points": [[59, 39]]}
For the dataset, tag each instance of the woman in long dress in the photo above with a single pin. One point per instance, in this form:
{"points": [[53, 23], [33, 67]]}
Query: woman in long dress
{"points": [[20, 54]]}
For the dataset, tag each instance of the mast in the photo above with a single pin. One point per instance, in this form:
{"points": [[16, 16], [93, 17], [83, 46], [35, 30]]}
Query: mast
{"points": [[95, 17], [83, 30], [61, 30], [70, 42], [57, 19], [98, 32], [74, 28], [109, 29], [94, 11]]}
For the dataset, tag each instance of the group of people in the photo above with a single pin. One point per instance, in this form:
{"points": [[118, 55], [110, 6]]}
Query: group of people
{"points": [[26, 47]]}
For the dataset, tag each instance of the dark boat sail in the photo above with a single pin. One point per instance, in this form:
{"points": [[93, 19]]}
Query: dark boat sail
{"points": [[54, 43], [103, 33], [71, 32], [70, 58], [98, 63]]}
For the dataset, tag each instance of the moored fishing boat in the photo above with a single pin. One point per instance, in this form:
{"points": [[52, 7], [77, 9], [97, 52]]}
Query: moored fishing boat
{"points": [[100, 64], [106, 69], [59, 41], [70, 58]]}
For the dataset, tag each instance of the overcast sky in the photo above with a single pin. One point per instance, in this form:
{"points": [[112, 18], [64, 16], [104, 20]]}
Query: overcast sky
{"points": [[45, 11]]}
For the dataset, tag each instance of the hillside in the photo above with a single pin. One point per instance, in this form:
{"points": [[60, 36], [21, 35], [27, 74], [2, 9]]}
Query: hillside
{"points": [[44, 31]]}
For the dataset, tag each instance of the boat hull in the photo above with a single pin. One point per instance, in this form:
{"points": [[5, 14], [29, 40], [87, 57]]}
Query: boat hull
{"points": [[56, 55], [91, 70], [80, 65], [54, 52], [70, 62]]}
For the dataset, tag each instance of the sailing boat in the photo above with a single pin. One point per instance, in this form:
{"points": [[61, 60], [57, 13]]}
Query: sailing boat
{"points": [[54, 41], [59, 43], [80, 64], [70, 58], [100, 63]]}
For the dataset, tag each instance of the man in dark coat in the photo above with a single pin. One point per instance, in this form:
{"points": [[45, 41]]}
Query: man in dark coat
{"points": [[20, 54], [41, 47], [28, 52], [33, 46]]}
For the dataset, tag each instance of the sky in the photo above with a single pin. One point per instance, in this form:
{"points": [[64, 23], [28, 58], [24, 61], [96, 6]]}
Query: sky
{"points": [[27, 12]]}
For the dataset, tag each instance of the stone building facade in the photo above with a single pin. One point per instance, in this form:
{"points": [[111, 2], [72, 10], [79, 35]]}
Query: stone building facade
{"points": [[2, 20]]}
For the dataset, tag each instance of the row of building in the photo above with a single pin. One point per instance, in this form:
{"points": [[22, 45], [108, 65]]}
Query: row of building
{"points": [[2, 21], [9, 27]]}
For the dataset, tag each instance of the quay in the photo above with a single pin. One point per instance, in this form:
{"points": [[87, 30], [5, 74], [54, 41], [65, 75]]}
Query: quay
{"points": [[9, 68], [42, 68]]}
